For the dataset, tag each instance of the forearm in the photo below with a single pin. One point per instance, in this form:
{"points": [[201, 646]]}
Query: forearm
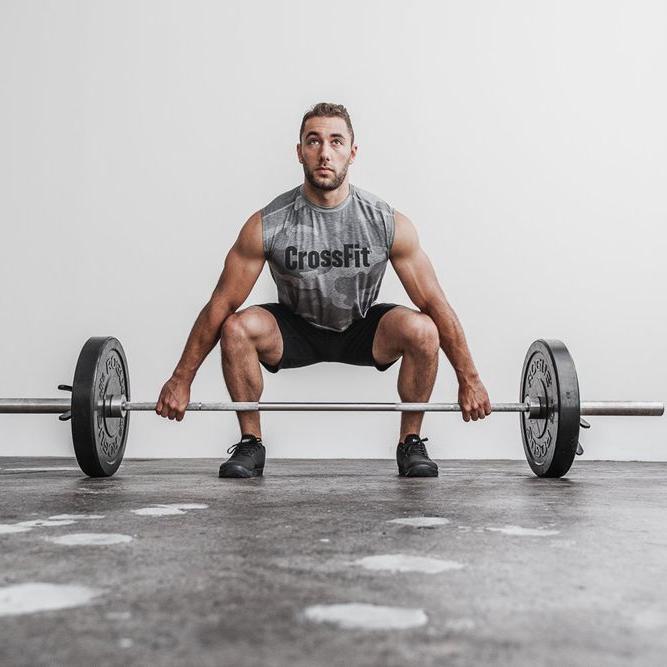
{"points": [[452, 340], [203, 337]]}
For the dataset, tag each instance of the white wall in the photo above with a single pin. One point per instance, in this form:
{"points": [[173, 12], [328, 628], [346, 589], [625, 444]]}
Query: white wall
{"points": [[526, 140]]}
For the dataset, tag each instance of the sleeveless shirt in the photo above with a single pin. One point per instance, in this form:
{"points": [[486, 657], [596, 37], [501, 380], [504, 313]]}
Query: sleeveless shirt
{"points": [[328, 263]]}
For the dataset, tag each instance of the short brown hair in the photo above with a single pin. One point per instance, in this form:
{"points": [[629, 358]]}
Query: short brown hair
{"points": [[327, 109]]}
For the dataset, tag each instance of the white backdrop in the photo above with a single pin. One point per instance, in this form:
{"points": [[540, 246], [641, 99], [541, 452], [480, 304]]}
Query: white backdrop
{"points": [[526, 140]]}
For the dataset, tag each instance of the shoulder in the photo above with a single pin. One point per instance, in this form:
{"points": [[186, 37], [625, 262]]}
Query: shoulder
{"points": [[249, 241], [371, 200], [281, 202], [405, 236]]}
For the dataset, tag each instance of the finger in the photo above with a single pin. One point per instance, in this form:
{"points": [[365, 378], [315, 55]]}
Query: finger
{"points": [[158, 407]]}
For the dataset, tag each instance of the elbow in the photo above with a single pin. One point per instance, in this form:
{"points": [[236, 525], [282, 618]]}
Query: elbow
{"points": [[433, 305], [217, 311]]}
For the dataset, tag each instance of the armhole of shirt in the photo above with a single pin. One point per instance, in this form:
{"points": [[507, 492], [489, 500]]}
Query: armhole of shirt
{"points": [[390, 230], [266, 241]]}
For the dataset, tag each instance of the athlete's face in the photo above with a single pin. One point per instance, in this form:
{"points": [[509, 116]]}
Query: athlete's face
{"points": [[326, 152]]}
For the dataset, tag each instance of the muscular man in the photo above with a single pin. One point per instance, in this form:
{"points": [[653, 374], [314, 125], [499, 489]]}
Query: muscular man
{"points": [[327, 243]]}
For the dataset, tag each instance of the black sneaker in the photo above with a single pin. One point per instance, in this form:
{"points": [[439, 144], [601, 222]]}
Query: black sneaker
{"points": [[412, 458], [246, 460]]}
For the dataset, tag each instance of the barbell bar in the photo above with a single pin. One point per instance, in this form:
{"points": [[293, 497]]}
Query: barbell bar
{"points": [[550, 409], [117, 406]]}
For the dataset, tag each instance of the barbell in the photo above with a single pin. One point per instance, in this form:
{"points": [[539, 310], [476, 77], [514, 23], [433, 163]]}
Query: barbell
{"points": [[550, 409]]}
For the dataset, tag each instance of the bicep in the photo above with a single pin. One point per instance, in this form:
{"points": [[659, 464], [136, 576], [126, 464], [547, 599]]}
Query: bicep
{"points": [[243, 264], [412, 265]]}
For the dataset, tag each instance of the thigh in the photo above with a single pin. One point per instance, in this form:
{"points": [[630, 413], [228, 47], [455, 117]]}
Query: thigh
{"points": [[390, 335], [302, 343], [358, 339]]}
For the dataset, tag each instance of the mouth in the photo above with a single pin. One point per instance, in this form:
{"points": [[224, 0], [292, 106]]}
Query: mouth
{"points": [[324, 169]]}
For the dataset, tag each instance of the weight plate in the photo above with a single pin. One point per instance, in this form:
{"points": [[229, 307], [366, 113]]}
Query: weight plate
{"points": [[99, 441], [550, 443]]}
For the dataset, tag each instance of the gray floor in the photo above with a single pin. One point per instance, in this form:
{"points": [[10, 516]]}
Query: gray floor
{"points": [[230, 584]]}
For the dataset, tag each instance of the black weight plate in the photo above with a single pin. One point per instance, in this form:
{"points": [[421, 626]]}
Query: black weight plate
{"points": [[99, 441], [549, 374]]}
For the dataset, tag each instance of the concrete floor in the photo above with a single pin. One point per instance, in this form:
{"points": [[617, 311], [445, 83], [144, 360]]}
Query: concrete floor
{"points": [[535, 572]]}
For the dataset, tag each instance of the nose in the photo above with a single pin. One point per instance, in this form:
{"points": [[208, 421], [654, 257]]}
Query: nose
{"points": [[325, 154]]}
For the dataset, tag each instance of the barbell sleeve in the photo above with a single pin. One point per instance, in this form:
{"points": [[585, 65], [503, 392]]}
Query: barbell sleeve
{"points": [[622, 408], [21, 406]]}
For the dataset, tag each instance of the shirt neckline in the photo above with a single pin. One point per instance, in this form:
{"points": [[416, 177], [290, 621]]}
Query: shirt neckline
{"points": [[326, 209]]}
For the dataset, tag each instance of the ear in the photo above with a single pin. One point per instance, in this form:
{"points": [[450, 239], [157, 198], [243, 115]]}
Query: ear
{"points": [[298, 153]]}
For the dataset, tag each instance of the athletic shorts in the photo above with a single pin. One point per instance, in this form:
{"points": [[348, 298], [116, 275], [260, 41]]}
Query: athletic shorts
{"points": [[305, 344]]}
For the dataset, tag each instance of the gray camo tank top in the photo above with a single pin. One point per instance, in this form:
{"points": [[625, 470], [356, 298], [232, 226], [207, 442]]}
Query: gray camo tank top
{"points": [[328, 263]]}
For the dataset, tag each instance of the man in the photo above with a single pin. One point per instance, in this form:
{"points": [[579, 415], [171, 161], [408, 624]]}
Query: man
{"points": [[327, 243]]}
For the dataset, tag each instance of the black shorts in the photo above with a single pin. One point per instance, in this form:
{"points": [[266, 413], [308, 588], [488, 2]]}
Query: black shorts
{"points": [[305, 344]]}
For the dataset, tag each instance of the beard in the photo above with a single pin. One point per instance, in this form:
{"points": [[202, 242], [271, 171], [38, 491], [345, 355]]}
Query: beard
{"points": [[330, 181]]}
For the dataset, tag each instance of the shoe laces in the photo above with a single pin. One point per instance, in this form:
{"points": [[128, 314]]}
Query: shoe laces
{"points": [[245, 447], [417, 446]]}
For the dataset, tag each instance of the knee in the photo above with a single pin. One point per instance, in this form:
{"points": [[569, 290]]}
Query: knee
{"points": [[421, 334], [235, 330]]}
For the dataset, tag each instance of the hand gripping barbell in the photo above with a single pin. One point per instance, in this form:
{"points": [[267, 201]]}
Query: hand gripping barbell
{"points": [[550, 411]]}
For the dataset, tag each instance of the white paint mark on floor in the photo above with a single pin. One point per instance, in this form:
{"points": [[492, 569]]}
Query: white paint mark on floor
{"points": [[25, 526], [45, 523], [90, 539], [157, 511], [325, 539], [168, 509], [405, 563], [367, 616], [531, 532], [6, 528], [185, 506], [125, 642], [75, 517], [421, 521], [33, 597], [53, 469]]}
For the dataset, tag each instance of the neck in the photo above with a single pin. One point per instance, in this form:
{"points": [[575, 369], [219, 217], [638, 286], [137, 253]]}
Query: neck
{"points": [[327, 198]]}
